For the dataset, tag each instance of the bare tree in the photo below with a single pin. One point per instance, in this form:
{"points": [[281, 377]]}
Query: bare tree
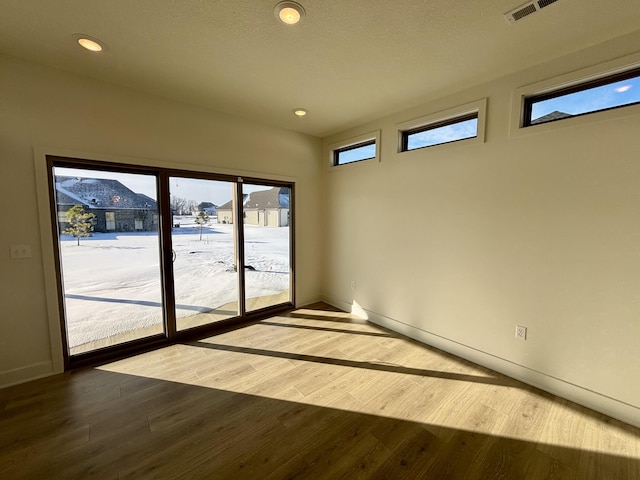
{"points": [[178, 205], [191, 206]]}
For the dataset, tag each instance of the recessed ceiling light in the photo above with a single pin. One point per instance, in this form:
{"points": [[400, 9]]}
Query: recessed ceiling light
{"points": [[90, 43], [299, 112], [289, 12]]}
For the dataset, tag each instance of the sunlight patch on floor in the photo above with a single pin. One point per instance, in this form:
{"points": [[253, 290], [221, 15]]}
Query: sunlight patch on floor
{"points": [[386, 394]]}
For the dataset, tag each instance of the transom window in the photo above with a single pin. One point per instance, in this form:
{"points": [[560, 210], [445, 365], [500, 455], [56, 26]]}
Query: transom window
{"points": [[613, 91], [447, 131], [355, 153]]}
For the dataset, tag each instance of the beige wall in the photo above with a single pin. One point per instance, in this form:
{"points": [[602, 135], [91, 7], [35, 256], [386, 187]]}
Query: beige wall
{"points": [[47, 111], [225, 216], [540, 230], [455, 245], [251, 217]]}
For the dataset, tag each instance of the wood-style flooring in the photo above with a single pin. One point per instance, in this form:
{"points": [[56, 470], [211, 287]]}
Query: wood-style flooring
{"points": [[313, 394]]}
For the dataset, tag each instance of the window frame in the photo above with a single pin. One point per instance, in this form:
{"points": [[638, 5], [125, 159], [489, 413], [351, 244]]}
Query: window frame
{"points": [[564, 82], [46, 158], [338, 151], [405, 134], [476, 109], [371, 138], [583, 86]]}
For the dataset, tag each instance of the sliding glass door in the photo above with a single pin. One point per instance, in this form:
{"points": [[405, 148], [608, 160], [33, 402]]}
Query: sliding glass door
{"points": [[150, 254], [109, 257], [267, 214], [204, 254]]}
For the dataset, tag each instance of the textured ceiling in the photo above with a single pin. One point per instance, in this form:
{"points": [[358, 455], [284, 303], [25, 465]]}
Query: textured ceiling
{"points": [[347, 62]]}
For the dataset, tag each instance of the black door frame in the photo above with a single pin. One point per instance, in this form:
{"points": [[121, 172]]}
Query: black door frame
{"points": [[171, 335]]}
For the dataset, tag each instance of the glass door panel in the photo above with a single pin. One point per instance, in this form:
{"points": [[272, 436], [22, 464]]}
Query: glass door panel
{"points": [[204, 254], [109, 257], [266, 211]]}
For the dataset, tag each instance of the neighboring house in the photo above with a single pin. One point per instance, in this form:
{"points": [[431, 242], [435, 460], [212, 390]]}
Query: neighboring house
{"points": [[211, 211], [265, 208], [225, 213], [117, 209], [550, 117]]}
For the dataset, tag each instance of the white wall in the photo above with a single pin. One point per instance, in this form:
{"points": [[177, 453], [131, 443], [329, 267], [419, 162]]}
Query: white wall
{"points": [[44, 110], [455, 245]]}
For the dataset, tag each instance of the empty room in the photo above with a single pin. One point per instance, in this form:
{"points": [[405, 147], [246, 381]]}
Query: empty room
{"points": [[320, 239]]}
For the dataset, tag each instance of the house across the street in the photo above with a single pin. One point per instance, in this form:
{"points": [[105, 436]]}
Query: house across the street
{"points": [[265, 208], [116, 207]]}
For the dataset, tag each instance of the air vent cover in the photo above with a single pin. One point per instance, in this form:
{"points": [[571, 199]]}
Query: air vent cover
{"points": [[527, 9], [545, 3]]}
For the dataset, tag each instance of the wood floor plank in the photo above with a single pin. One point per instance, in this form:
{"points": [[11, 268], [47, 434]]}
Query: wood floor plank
{"points": [[414, 449], [312, 394]]}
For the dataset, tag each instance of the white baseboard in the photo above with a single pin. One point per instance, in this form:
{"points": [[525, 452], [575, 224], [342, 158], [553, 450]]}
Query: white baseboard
{"points": [[25, 374], [594, 400]]}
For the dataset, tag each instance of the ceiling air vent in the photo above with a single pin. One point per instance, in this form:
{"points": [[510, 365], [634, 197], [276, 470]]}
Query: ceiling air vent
{"points": [[545, 3], [527, 9]]}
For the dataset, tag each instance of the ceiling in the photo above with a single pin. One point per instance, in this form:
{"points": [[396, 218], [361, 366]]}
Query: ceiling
{"points": [[347, 62]]}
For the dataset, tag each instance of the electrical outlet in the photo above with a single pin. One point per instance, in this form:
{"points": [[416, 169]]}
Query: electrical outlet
{"points": [[521, 332], [353, 284], [20, 251]]}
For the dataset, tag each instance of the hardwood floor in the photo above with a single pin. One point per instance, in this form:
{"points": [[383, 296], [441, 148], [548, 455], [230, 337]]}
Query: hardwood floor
{"points": [[313, 394]]}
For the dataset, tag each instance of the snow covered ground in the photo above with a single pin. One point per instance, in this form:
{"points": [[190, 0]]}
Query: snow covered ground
{"points": [[112, 280]]}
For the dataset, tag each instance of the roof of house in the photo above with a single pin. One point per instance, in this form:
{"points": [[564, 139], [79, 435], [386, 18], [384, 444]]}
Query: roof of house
{"points": [[276, 197], [550, 117], [97, 193]]}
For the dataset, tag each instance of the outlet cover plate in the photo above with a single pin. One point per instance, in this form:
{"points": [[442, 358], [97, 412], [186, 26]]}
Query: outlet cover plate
{"points": [[20, 251]]}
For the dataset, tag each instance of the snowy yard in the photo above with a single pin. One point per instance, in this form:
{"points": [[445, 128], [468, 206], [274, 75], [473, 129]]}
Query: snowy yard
{"points": [[112, 280]]}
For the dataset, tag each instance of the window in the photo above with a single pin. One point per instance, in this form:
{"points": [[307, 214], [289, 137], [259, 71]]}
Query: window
{"points": [[110, 219], [146, 255], [355, 153], [447, 131], [464, 124], [613, 91], [353, 150]]}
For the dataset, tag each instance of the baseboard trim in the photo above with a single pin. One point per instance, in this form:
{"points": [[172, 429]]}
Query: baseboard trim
{"points": [[575, 393], [26, 374], [309, 302]]}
